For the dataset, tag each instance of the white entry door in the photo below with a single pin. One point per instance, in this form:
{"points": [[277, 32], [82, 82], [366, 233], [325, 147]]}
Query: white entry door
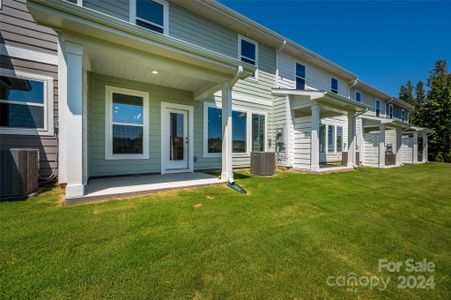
{"points": [[177, 140]]}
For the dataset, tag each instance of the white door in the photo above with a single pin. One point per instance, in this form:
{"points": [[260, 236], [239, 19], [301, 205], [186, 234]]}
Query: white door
{"points": [[177, 142]]}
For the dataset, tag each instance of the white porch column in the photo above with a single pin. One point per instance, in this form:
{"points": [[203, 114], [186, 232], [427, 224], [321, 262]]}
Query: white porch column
{"points": [[415, 147], [381, 146], [351, 139], [316, 122], [425, 147], [398, 147], [73, 119], [227, 170]]}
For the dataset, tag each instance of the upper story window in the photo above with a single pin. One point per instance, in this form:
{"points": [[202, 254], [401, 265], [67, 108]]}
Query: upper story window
{"points": [[151, 14], [300, 77], [389, 110], [248, 51], [377, 107], [25, 104], [403, 115], [334, 85], [358, 96]]}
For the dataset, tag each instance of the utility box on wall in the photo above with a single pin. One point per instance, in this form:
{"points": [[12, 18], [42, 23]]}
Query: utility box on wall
{"points": [[18, 172], [263, 163]]}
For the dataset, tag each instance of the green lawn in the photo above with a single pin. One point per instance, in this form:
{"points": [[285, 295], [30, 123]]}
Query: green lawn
{"points": [[281, 240]]}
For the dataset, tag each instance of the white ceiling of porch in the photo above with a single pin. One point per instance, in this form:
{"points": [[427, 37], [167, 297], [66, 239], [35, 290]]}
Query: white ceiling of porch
{"points": [[107, 65]]}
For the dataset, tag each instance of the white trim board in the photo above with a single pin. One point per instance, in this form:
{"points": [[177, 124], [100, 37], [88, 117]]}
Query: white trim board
{"points": [[27, 54], [109, 90], [48, 129]]}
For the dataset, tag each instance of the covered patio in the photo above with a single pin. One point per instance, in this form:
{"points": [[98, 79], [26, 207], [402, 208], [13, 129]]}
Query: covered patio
{"points": [[417, 137], [106, 66], [308, 110]]}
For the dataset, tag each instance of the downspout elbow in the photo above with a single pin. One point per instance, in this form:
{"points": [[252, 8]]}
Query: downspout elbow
{"points": [[239, 71]]}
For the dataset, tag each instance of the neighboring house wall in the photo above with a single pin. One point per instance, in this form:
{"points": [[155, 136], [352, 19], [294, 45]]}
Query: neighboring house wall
{"points": [[18, 31]]}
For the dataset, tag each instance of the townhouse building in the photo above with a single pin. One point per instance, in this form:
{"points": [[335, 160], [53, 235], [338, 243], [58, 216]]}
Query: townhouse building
{"points": [[132, 87]]}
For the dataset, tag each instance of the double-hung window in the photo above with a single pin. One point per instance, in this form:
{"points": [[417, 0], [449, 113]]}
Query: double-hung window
{"points": [[389, 110], [248, 51], [26, 104], [377, 107], [126, 124], [334, 85], [151, 14], [358, 96], [403, 115], [300, 77]]}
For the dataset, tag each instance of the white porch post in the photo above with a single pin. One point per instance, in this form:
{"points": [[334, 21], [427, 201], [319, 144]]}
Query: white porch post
{"points": [[73, 119], [227, 170], [316, 120], [398, 146], [351, 139], [381, 146], [425, 147], [415, 147]]}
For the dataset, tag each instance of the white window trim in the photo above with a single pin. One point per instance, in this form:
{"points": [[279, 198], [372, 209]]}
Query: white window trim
{"points": [[109, 90], [342, 138], [241, 37], [239, 108], [133, 17], [338, 85], [403, 112], [295, 75], [380, 107], [390, 108], [48, 129], [361, 96]]}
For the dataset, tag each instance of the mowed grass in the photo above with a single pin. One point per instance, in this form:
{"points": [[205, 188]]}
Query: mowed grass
{"points": [[281, 240]]}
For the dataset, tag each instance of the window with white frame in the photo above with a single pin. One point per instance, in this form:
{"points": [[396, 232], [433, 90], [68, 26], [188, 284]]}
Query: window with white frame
{"points": [[339, 139], [389, 110], [258, 132], [300, 77], [358, 96], [151, 14], [330, 138], [248, 130], [334, 85], [248, 52], [377, 107], [26, 103], [126, 124], [403, 115], [322, 138]]}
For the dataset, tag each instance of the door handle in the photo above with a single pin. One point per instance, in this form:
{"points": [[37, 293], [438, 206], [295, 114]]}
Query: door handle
{"points": [[187, 140]]}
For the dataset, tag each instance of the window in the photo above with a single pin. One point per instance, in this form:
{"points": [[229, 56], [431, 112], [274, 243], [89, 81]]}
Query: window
{"points": [[358, 96], [151, 14], [389, 109], [378, 107], [214, 130], [239, 131], [339, 138], [322, 138], [330, 138], [334, 85], [126, 128], [403, 115], [258, 133], [248, 51], [300, 77], [24, 108]]}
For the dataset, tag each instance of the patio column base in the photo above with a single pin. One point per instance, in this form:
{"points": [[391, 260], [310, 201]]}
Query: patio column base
{"points": [[75, 191]]}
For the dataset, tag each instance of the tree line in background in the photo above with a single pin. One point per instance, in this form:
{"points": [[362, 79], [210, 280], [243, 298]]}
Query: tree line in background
{"points": [[432, 109]]}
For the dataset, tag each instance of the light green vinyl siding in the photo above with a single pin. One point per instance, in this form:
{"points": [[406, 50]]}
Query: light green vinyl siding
{"points": [[195, 29], [116, 8]]}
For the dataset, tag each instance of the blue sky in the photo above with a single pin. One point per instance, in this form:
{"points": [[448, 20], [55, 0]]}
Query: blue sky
{"points": [[385, 43]]}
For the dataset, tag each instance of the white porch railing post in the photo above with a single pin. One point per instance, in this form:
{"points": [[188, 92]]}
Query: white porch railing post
{"points": [[381, 146], [425, 147], [227, 169], [73, 118], [351, 139], [415, 147], [316, 120], [398, 146]]}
